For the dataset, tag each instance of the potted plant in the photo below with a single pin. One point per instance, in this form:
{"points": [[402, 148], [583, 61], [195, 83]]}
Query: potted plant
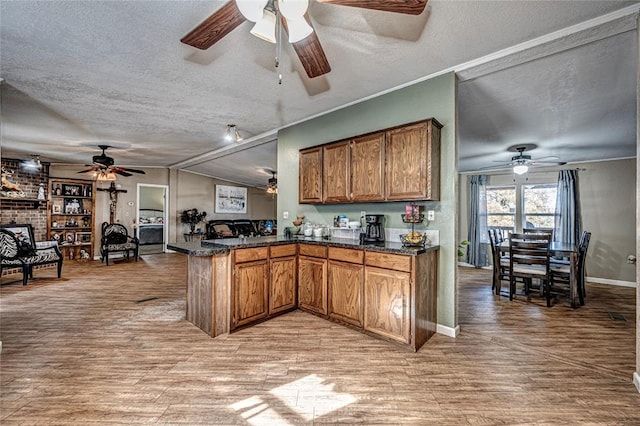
{"points": [[192, 217]]}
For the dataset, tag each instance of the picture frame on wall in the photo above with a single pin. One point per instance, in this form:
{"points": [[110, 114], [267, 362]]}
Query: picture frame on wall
{"points": [[231, 199]]}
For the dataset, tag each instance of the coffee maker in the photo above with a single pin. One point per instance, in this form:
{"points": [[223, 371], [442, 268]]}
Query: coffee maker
{"points": [[374, 231]]}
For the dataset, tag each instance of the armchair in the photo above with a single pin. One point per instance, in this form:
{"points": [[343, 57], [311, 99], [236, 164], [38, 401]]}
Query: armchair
{"points": [[115, 238], [18, 249]]}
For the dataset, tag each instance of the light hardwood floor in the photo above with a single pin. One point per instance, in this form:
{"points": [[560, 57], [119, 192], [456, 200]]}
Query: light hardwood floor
{"points": [[80, 351]]}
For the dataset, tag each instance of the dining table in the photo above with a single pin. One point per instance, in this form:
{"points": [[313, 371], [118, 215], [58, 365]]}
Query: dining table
{"points": [[562, 249]]}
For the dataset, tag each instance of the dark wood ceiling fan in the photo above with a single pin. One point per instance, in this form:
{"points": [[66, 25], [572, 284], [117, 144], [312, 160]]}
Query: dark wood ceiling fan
{"points": [[309, 49], [104, 165]]}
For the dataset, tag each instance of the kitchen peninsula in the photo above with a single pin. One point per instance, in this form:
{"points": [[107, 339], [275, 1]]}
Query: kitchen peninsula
{"points": [[388, 291]]}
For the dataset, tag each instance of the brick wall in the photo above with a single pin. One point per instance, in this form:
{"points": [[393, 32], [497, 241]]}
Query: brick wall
{"points": [[26, 210]]}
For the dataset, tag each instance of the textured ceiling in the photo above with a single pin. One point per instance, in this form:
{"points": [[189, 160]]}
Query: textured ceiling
{"points": [[82, 73]]}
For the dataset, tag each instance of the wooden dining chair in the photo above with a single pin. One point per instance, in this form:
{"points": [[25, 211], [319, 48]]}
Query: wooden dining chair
{"points": [[561, 271], [529, 259], [500, 262]]}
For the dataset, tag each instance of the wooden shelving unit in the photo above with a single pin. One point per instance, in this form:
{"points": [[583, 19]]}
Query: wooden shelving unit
{"points": [[71, 217]]}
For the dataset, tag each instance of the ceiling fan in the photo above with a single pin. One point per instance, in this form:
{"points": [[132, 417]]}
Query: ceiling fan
{"points": [[105, 169], [295, 20], [522, 161]]}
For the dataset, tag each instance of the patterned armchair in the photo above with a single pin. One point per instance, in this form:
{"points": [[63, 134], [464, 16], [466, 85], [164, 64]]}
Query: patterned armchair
{"points": [[116, 239], [18, 249]]}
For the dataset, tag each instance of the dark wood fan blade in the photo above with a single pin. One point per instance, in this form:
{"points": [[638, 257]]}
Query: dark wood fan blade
{"points": [[126, 169], [310, 52], [215, 27], [409, 7], [121, 172]]}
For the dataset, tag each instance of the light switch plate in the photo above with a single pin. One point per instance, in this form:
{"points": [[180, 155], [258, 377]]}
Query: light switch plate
{"points": [[285, 215], [431, 215]]}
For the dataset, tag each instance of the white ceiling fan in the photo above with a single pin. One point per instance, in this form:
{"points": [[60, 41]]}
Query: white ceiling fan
{"points": [[522, 161]]}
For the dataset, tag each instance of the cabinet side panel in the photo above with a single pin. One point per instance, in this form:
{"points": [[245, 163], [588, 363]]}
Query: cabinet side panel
{"points": [[433, 163], [199, 292], [426, 289], [222, 294]]}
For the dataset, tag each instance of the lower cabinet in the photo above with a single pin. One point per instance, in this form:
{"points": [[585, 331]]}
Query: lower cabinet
{"points": [[312, 284], [251, 297], [387, 303], [345, 291], [282, 289]]}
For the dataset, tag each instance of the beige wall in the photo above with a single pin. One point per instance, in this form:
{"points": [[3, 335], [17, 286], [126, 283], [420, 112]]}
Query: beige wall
{"points": [[607, 196]]}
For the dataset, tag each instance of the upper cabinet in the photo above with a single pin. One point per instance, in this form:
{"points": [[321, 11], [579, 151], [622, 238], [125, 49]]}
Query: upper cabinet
{"points": [[336, 177], [367, 168], [310, 176], [413, 162], [396, 164]]}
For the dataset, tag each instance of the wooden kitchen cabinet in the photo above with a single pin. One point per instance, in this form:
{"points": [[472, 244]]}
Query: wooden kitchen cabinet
{"points": [[413, 162], [250, 286], [312, 283], [282, 270], [336, 173], [367, 168], [387, 303], [310, 176], [345, 291]]}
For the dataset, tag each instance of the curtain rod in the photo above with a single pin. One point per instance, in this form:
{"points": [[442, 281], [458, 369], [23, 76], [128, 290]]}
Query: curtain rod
{"points": [[578, 169]]}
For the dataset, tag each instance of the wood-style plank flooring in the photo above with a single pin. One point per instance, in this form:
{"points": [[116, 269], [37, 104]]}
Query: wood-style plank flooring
{"points": [[81, 351]]}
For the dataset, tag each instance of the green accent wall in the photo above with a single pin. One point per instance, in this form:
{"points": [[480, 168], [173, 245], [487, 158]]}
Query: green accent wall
{"points": [[431, 98]]}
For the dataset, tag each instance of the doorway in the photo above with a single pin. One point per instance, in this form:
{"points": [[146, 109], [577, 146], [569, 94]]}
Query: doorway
{"points": [[152, 218]]}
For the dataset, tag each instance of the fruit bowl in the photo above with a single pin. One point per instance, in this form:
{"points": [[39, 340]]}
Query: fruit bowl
{"points": [[413, 239], [297, 222]]}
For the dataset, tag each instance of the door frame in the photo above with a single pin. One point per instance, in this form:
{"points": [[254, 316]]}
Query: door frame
{"points": [[165, 230]]}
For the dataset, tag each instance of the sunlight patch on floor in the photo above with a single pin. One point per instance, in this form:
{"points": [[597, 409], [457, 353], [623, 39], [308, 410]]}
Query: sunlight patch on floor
{"points": [[309, 397]]}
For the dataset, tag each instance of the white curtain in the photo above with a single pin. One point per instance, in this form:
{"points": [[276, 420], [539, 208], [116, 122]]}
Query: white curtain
{"points": [[477, 248], [568, 220]]}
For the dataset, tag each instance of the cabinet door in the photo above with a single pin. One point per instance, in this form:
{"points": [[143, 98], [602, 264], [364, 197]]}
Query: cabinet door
{"points": [[367, 168], [310, 176], [413, 158], [282, 292], [387, 303], [336, 173], [345, 291], [250, 292], [312, 284]]}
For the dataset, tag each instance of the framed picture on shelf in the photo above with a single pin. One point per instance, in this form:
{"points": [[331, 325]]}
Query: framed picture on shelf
{"points": [[71, 190], [83, 237], [70, 238], [231, 199], [57, 209]]}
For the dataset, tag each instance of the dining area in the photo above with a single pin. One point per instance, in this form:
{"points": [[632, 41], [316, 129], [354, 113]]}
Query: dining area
{"points": [[535, 263]]}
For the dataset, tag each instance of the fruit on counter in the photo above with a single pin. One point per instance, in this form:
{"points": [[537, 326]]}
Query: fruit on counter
{"points": [[415, 237], [297, 222]]}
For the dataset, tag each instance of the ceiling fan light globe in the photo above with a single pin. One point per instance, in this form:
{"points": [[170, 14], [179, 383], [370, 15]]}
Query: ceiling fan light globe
{"points": [[299, 29], [251, 9], [293, 9], [520, 169], [265, 28]]}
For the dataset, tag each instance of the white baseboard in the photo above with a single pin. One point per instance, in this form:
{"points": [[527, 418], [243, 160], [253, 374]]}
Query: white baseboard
{"points": [[636, 380], [611, 282], [448, 331]]}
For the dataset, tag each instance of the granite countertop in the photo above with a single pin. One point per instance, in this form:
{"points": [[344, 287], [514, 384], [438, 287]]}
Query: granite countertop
{"points": [[222, 246]]}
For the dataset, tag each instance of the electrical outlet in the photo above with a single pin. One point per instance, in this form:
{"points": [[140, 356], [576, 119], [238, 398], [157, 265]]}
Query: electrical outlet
{"points": [[285, 215], [362, 214], [431, 215]]}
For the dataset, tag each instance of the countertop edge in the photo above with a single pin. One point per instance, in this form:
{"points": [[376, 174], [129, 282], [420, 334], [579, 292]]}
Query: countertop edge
{"points": [[216, 247]]}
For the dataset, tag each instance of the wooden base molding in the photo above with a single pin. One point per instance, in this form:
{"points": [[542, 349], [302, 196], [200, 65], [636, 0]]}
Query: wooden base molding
{"points": [[612, 282]]}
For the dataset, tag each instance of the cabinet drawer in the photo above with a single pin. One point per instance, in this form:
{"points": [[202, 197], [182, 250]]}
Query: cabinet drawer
{"points": [[249, 254], [397, 262], [346, 255], [282, 251], [313, 250]]}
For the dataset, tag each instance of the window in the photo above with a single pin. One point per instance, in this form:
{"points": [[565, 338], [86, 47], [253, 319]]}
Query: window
{"points": [[538, 205], [501, 207]]}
